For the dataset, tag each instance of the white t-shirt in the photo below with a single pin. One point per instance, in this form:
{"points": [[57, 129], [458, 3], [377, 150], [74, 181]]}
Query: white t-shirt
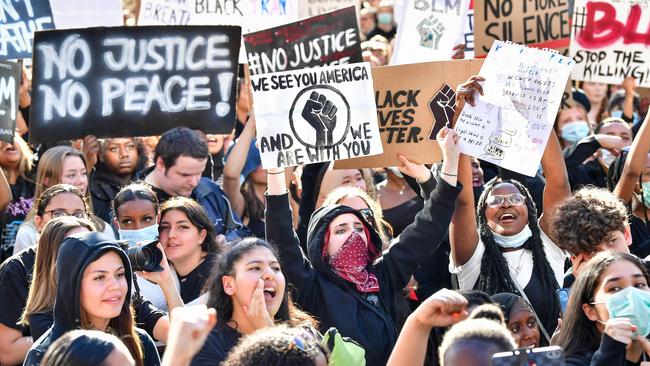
{"points": [[520, 264]]}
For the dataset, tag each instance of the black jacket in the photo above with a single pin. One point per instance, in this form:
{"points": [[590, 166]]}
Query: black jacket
{"points": [[336, 302], [610, 353], [75, 254], [104, 185]]}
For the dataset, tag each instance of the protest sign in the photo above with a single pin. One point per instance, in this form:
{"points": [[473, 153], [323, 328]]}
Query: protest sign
{"points": [[328, 39], [429, 31], [310, 8], [164, 12], [69, 14], [18, 22], [413, 103], [251, 15], [10, 78], [510, 124], [469, 32], [610, 40], [540, 24], [133, 81], [313, 115]]}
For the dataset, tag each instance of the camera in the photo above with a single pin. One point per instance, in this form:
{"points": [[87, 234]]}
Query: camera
{"points": [[145, 257]]}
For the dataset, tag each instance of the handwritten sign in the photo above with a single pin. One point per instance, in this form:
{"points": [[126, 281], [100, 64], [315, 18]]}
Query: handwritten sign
{"points": [[413, 103], [512, 121], [10, 78], [164, 12], [469, 32], [251, 15], [541, 24], [429, 30], [310, 8], [133, 81], [18, 22], [610, 40], [328, 39], [313, 115], [69, 14]]}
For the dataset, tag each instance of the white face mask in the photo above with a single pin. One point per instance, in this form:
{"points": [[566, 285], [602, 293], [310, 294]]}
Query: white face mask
{"points": [[513, 241], [607, 157], [136, 236]]}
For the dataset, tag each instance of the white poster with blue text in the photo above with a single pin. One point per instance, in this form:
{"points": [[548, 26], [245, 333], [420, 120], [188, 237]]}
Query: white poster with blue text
{"points": [[429, 30], [510, 124], [314, 115]]}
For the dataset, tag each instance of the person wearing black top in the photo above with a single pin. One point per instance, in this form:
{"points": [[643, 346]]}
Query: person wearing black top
{"points": [[94, 282], [345, 280]]}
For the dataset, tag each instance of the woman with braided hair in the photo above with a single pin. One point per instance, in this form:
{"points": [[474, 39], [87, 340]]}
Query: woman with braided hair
{"points": [[503, 246]]}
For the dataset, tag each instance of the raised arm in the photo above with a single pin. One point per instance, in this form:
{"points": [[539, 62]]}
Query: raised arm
{"points": [[634, 163], [279, 231], [235, 164], [557, 187], [463, 233]]}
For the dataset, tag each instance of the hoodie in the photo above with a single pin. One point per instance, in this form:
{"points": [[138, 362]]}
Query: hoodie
{"points": [[367, 319], [75, 254]]}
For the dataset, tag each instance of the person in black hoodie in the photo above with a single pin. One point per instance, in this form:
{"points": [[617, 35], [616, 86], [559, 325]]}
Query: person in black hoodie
{"points": [[591, 333], [345, 281], [94, 278]]}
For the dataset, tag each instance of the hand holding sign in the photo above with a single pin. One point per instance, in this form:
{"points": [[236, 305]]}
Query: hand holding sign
{"points": [[321, 115], [466, 91]]}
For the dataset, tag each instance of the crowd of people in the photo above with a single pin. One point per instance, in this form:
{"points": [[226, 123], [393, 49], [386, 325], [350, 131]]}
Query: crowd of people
{"points": [[180, 249]]}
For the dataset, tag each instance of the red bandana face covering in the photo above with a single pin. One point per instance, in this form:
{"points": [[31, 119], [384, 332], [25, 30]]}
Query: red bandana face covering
{"points": [[350, 263]]}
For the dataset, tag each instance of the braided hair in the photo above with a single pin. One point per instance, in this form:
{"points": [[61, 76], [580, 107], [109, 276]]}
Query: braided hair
{"points": [[495, 274]]}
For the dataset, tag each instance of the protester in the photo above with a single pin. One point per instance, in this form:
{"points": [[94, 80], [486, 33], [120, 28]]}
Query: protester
{"points": [[88, 348], [473, 342], [214, 166], [572, 125], [344, 249], [16, 161], [597, 95], [367, 22], [60, 164], [625, 103], [188, 331], [42, 289], [180, 158], [607, 314], [520, 319], [385, 21], [94, 284], [119, 159], [249, 292], [398, 201]]}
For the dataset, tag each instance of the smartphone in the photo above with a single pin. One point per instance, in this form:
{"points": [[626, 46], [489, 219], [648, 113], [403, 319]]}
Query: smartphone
{"points": [[543, 356]]}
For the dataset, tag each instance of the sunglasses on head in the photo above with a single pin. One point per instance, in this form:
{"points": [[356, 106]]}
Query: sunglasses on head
{"points": [[496, 200]]}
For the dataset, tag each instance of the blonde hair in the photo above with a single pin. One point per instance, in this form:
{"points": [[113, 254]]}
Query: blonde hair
{"points": [[382, 226], [42, 291], [26, 159]]}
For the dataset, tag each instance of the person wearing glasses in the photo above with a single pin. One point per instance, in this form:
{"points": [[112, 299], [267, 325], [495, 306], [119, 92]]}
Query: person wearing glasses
{"points": [[60, 164], [16, 272], [502, 246]]}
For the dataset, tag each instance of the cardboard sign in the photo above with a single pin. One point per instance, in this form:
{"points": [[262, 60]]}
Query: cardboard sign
{"points": [[328, 39], [610, 40], [251, 15], [10, 78], [19, 19], [510, 124], [413, 104], [69, 14], [429, 31], [541, 24], [164, 12], [310, 8], [313, 115], [133, 81]]}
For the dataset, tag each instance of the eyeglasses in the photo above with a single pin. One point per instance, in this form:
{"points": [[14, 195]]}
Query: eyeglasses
{"points": [[368, 215], [515, 199], [61, 213], [309, 338]]}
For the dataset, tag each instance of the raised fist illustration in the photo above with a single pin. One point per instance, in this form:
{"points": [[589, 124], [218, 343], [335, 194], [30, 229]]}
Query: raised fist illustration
{"points": [[442, 106], [430, 30], [321, 115]]}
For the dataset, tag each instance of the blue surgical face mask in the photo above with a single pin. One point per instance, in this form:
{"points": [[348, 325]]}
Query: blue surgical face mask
{"points": [[136, 236], [513, 241], [631, 303], [574, 131], [385, 18], [619, 114], [645, 186]]}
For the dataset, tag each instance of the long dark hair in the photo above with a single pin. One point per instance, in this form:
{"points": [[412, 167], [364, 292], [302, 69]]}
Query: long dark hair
{"points": [[578, 332], [81, 348], [197, 216], [222, 302], [495, 274], [253, 207]]}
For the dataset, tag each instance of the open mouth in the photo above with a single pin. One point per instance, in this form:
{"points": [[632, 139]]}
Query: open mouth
{"points": [[269, 294], [507, 218]]}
